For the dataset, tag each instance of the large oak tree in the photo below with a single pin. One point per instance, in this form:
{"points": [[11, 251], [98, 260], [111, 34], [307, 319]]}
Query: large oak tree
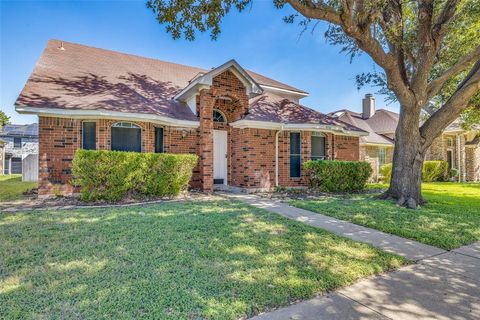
{"points": [[428, 50]]}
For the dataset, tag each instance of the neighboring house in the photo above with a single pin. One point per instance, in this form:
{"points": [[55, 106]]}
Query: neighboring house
{"points": [[249, 131], [377, 147], [459, 147], [21, 140]]}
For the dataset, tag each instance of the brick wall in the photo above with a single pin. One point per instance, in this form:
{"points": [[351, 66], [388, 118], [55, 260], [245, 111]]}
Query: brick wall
{"points": [[58, 140], [370, 155]]}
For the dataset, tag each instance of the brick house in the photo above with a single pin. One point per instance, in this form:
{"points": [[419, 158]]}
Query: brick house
{"points": [[459, 147], [250, 131]]}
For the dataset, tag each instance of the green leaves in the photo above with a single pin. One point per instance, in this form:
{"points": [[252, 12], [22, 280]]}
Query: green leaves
{"points": [[184, 18], [113, 175], [338, 176], [432, 171]]}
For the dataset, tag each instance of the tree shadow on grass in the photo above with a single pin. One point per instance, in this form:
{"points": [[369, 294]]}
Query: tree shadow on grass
{"points": [[196, 260]]}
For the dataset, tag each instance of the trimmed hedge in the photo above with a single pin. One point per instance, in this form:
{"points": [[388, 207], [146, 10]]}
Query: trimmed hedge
{"points": [[432, 171], [338, 176], [113, 175]]}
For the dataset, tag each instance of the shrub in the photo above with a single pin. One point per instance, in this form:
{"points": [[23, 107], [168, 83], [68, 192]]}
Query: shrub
{"points": [[338, 176], [113, 175], [432, 171], [386, 172]]}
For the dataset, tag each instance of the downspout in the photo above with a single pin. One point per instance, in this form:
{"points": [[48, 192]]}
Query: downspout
{"points": [[459, 161], [276, 155]]}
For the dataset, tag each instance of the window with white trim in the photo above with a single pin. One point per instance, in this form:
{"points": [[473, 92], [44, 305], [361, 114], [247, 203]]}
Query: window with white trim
{"points": [[381, 156], [318, 147]]}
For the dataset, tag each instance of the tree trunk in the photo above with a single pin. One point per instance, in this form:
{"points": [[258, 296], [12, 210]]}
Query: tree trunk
{"points": [[406, 182]]}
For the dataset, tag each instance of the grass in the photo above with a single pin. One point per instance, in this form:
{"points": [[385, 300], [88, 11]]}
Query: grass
{"points": [[12, 187], [197, 260], [450, 219]]}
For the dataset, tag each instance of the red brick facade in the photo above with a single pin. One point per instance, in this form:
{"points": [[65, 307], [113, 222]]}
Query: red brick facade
{"points": [[251, 153]]}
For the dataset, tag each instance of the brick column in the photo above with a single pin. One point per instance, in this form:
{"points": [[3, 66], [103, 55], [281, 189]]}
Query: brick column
{"points": [[206, 102]]}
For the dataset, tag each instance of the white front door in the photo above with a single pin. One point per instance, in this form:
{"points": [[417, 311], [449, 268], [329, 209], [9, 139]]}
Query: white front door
{"points": [[219, 157]]}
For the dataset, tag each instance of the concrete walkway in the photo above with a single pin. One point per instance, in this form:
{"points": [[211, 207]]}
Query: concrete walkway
{"points": [[441, 285]]}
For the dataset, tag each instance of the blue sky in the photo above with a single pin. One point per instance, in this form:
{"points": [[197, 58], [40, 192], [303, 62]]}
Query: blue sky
{"points": [[257, 38]]}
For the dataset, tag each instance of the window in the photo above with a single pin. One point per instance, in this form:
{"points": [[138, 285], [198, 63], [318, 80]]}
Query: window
{"points": [[450, 159], [158, 140], [318, 146], [89, 135], [449, 142], [126, 136], [295, 154], [17, 143], [381, 156], [218, 116]]}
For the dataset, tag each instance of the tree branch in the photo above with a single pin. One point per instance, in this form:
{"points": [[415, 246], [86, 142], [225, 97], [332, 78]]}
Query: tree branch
{"points": [[439, 28], [453, 107], [316, 11], [436, 85]]}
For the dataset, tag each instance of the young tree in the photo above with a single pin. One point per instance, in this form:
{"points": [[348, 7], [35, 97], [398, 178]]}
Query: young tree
{"points": [[428, 50], [4, 119]]}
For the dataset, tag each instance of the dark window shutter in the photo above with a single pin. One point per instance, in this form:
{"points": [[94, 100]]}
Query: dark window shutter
{"points": [[89, 136], [159, 140], [126, 139], [295, 162]]}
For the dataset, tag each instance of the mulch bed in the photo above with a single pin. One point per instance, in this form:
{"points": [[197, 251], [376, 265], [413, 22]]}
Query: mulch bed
{"points": [[32, 202]]}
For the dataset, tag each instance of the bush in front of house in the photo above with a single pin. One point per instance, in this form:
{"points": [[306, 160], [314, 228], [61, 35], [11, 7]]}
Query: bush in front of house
{"points": [[338, 176], [114, 175], [432, 171], [435, 171]]}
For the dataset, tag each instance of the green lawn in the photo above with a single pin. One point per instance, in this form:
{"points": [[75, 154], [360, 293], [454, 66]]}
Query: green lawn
{"points": [[197, 260], [450, 219], [12, 187]]}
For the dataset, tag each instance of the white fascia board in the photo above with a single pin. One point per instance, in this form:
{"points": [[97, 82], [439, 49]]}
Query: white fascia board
{"points": [[370, 144], [206, 80], [242, 124], [106, 114], [300, 94]]}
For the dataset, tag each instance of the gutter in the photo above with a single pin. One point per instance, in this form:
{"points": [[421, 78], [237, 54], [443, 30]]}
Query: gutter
{"points": [[106, 114], [276, 155]]}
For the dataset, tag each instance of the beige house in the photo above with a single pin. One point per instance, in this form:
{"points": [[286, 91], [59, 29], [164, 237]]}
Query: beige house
{"points": [[459, 147]]}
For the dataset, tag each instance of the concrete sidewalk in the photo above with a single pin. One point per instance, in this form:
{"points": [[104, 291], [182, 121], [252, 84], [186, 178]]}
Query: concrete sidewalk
{"points": [[441, 285]]}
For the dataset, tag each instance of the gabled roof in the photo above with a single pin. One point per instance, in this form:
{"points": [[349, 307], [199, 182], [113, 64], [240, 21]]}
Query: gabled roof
{"points": [[382, 121], [30, 130], [84, 81], [202, 80]]}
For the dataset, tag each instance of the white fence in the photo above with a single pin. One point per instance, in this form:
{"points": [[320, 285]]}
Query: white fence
{"points": [[30, 168]]}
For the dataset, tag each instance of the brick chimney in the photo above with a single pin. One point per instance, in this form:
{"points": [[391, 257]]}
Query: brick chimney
{"points": [[368, 104]]}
